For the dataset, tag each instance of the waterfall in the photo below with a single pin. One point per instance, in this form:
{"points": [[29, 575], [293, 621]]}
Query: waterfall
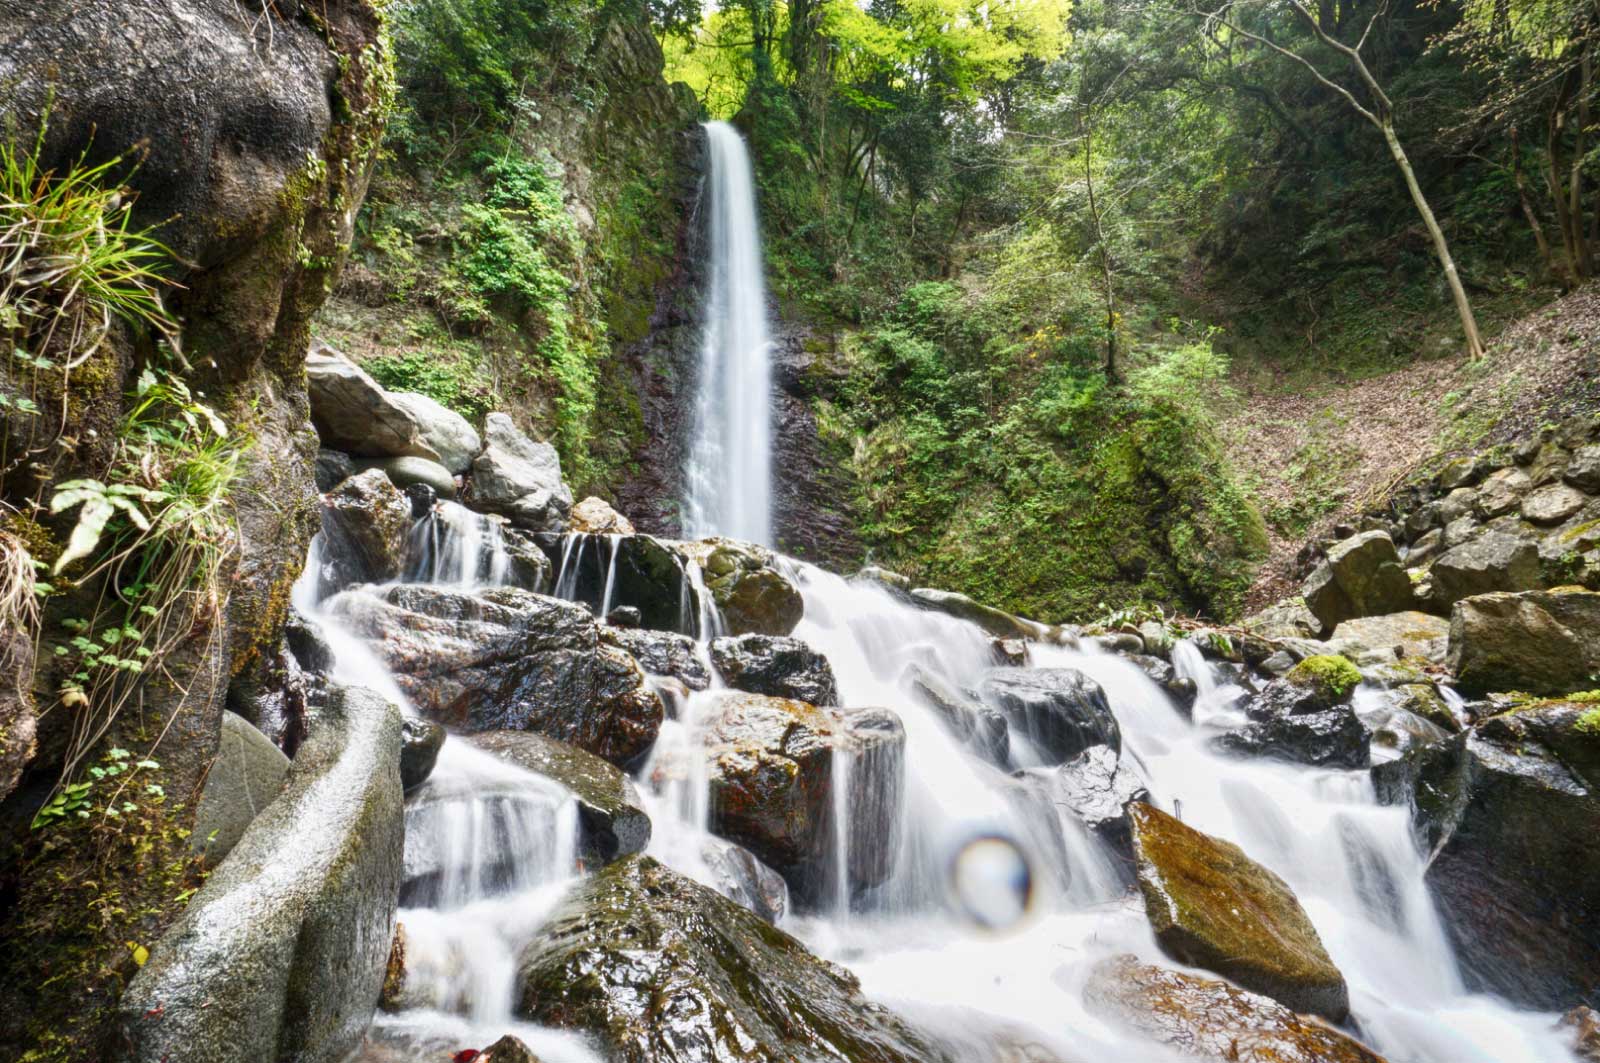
{"points": [[729, 476]]}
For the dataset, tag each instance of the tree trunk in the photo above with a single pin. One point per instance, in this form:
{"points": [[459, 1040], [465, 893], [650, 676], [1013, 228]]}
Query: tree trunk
{"points": [[1112, 373], [1469, 323], [1528, 212], [1580, 242]]}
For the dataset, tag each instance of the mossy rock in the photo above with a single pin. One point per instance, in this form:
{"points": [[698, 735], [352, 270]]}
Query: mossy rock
{"points": [[1211, 906], [1332, 677]]}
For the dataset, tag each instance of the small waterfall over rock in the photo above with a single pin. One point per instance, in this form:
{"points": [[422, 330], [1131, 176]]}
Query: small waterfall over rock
{"points": [[729, 478]]}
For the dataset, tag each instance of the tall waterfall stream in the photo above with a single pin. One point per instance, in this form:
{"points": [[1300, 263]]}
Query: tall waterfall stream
{"points": [[990, 910]]}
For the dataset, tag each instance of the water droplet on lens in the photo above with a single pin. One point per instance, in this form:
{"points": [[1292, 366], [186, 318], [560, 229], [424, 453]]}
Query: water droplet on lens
{"points": [[992, 881]]}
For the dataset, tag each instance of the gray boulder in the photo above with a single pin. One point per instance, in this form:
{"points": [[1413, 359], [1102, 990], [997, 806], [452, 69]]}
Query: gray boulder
{"points": [[1060, 711], [1583, 471], [659, 969], [1501, 493], [980, 727], [781, 667], [353, 413], [612, 823], [519, 477], [447, 433], [742, 878], [1097, 787], [246, 777], [421, 741], [1493, 561], [508, 659], [333, 468], [1408, 634], [1542, 642], [1361, 576], [996, 622], [1552, 504], [281, 954], [749, 590], [662, 653]]}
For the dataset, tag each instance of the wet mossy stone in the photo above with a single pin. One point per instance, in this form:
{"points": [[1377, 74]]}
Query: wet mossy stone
{"points": [[781, 667], [1329, 676], [282, 953], [1211, 1021], [365, 521], [1211, 906], [751, 593], [994, 621], [611, 822], [244, 779], [660, 969], [1060, 711], [421, 741]]}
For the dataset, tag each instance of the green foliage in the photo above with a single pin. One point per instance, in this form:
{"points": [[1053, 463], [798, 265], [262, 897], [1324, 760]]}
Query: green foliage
{"points": [[1589, 723], [450, 380], [1328, 673], [113, 789]]}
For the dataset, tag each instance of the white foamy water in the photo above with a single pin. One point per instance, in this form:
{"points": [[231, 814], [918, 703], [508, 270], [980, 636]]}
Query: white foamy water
{"points": [[729, 476]]}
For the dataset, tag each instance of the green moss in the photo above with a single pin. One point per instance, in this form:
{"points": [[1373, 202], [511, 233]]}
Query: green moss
{"points": [[1588, 723], [1328, 673]]}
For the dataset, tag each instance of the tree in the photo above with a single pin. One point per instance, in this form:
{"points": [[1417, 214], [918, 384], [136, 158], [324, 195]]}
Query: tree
{"points": [[1377, 110]]}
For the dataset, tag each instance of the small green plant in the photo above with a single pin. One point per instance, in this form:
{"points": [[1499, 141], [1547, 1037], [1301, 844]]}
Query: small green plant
{"points": [[1589, 723], [110, 790], [1328, 673]]}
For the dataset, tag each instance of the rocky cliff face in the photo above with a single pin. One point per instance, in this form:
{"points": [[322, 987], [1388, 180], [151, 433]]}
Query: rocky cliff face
{"points": [[247, 136]]}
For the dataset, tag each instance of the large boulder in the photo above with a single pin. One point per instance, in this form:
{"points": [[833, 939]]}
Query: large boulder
{"points": [[609, 817], [1509, 829], [508, 659], [750, 592], [1542, 642], [448, 434], [519, 477], [365, 521], [246, 777], [409, 471], [421, 741], [282, 953], [1210, 1021], [660, 969], [1059, 711], [772, 764], [781, 667], [1583, 471], [1211, 906], [981, 728], [1361, 576], [997, 623], [1495, 560], [353, 413], [1306, 717], [1408, 634]]}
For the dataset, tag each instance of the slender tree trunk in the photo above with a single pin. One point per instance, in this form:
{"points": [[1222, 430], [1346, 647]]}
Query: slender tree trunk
{"points": [[1112, 373], [1528, 212], [1580, 242], [1469, 323]]}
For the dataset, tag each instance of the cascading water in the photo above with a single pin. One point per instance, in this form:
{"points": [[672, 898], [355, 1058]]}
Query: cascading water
{"points": [[729, 476]]}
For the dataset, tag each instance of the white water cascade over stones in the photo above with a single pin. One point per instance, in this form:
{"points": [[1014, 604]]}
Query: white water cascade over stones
{"points": [[729, 477]]}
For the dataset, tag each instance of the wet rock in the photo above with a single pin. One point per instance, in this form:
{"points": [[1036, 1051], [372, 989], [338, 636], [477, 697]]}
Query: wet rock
{"points": [[353, 413], [1501, 493], [612, 823], [1210, 1021], [1552, 504], [508, 659], [448, 434], [333, 468], [1408, 634], [1494, 561], [244, 779], [365, 521], [392, 997], [1508, 831], [507, 1050], [1305, 717], [625, 616], [527, 567], [982, 729], [406, 472], [662, 653], [1397, 731], [420, 742], [1211, 906], [1583, 471], [1060, 711], [1010, 653], [772, 771], [1542, 642], [781, 667], [1361, 576], [894, 581], [422, 499], [595, 516], [1423, 699], [742, 878], [659, 969], [1000, 624], [1585, 1026], [1097, 787], [1568, 729], [281, 954], [520, 478], [753, 596]]}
